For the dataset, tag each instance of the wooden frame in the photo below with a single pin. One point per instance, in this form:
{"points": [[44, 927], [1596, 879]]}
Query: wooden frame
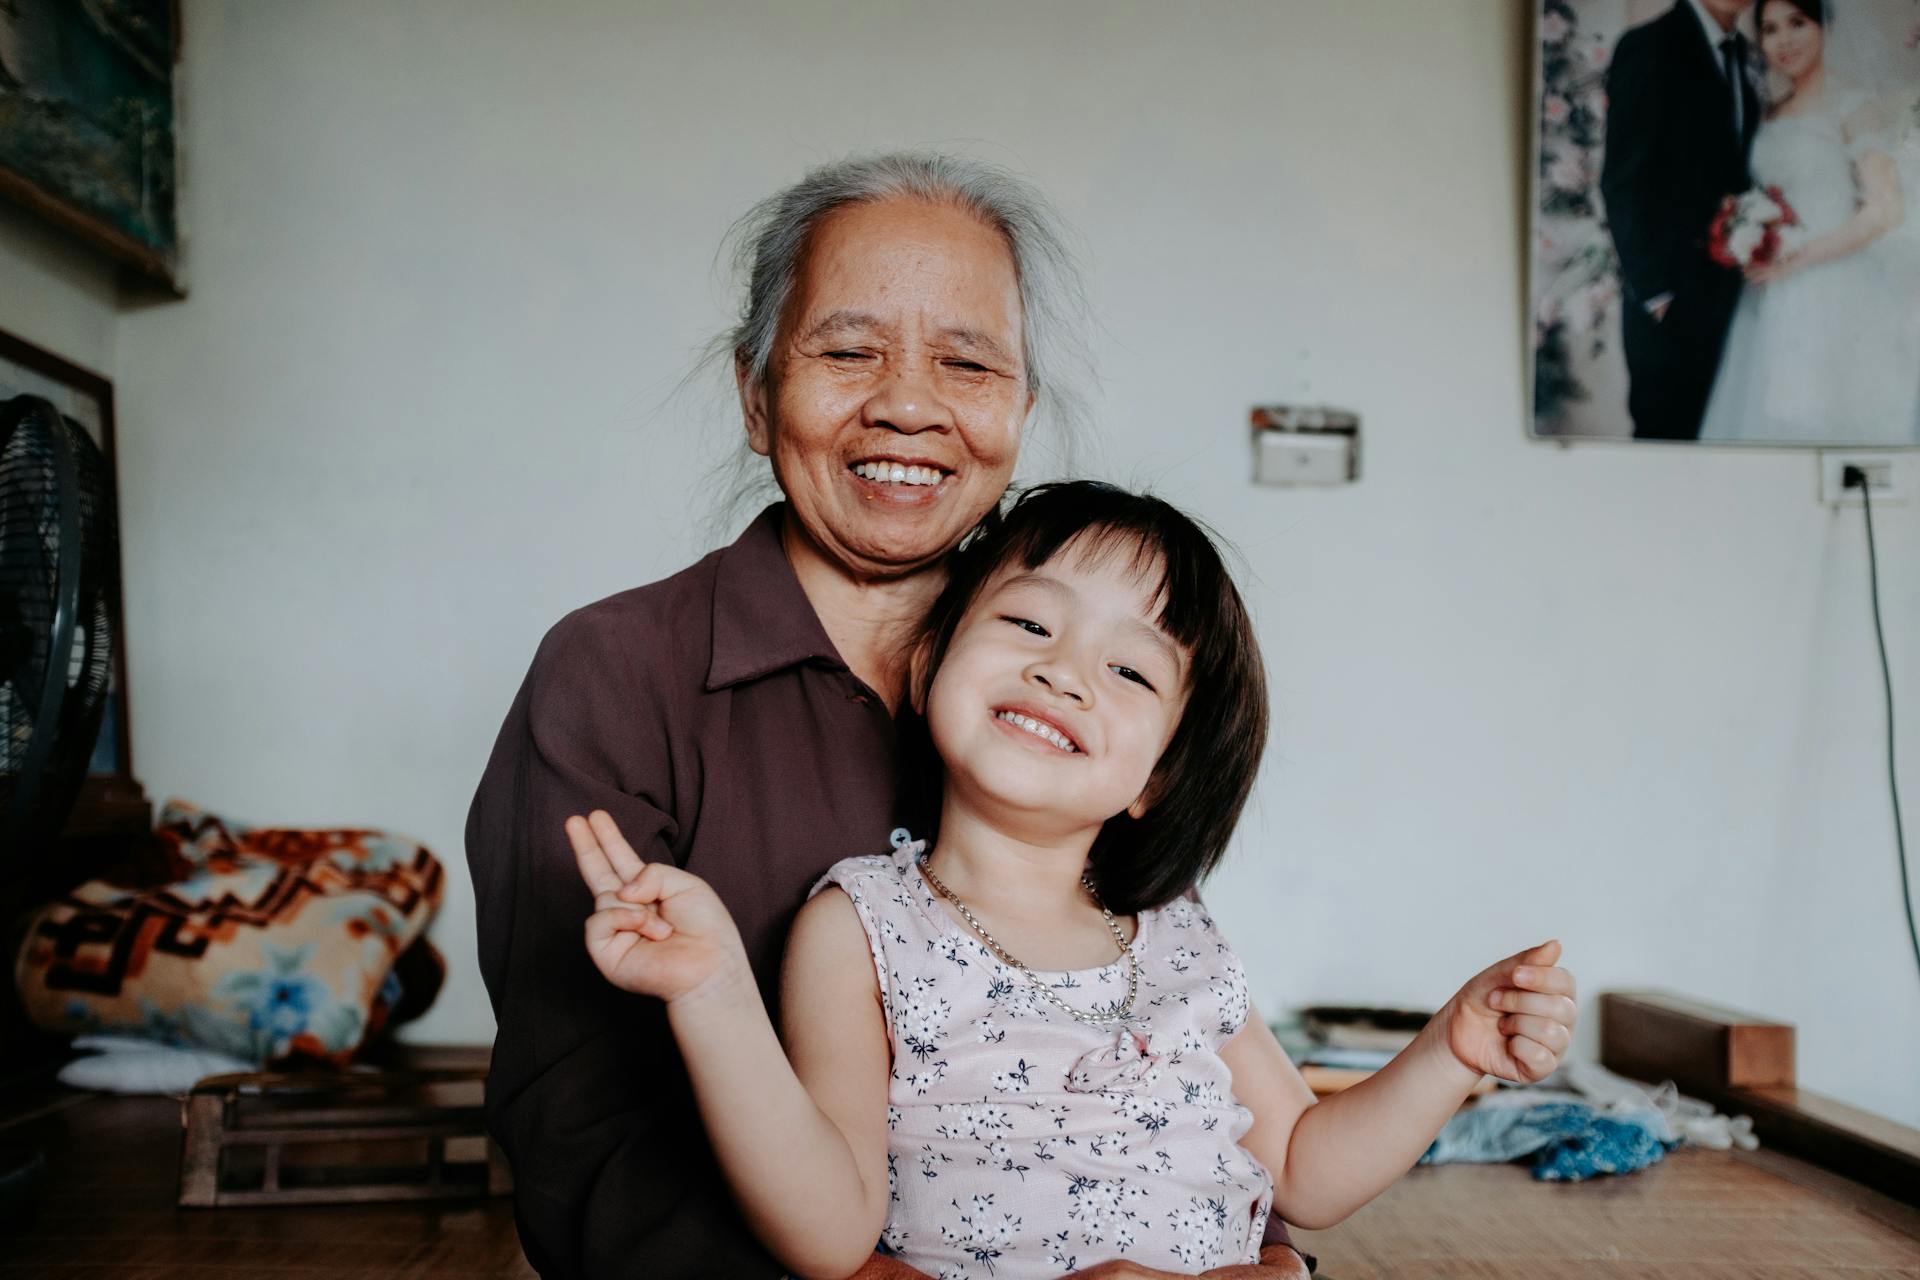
{"points": [[111, 69], [1590, 294], [111, 800], [265, 1138]]}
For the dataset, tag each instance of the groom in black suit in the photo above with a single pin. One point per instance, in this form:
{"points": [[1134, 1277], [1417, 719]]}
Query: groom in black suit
{"points": [[1681, 114]]}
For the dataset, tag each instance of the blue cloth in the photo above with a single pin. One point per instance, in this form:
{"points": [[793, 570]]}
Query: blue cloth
{"points": [[1569, 1141]]}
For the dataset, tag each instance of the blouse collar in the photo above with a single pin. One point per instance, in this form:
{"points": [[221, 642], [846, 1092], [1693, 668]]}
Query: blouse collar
{"points": [[762, 619]]}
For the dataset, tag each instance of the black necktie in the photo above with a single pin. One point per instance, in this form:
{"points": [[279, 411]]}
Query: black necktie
{"points": [[1730, 57]]}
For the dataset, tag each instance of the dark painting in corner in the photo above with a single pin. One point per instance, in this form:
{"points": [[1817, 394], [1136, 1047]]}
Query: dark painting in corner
{"points": [[1726, 221], [87, 123]]}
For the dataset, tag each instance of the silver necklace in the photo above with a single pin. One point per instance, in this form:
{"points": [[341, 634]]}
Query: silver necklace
{"points": [[1011, 961]]}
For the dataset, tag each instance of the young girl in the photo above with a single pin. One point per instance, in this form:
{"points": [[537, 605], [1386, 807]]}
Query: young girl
{"points": [[1021, 1047]]}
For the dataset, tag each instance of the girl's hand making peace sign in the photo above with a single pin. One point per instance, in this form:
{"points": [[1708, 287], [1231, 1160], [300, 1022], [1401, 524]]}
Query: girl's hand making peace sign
{"points": [[655, 930], [1515, 1019]]}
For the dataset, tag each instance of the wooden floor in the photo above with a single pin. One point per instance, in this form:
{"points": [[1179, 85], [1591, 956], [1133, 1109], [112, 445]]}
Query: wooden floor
{"points": [[1700, 1215], [109, 1212]]}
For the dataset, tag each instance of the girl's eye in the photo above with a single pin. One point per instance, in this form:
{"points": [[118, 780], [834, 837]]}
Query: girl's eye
{"points": [[1028, 625], [1128, 673]]}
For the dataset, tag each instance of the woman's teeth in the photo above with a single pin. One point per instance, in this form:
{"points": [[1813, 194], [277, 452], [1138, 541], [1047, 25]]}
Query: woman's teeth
{"points": [[1039, 729], [894, 473]]}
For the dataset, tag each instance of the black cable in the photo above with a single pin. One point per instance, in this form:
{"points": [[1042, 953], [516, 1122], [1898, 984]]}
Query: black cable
{"points": [[1853, 477]]}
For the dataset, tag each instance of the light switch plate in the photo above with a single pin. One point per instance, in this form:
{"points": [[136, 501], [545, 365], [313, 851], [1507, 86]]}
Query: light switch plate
{"points": [[1305, 445], [1287, 457]]}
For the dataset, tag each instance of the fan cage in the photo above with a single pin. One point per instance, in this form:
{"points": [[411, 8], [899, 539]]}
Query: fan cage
{"points": [[56, 532]]}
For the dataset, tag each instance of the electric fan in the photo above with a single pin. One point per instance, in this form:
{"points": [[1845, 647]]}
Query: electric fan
{"points": [[59, 574], [58, 579]]}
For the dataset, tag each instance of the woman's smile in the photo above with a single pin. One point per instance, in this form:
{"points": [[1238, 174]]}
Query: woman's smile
{"points": [[908, 482]]}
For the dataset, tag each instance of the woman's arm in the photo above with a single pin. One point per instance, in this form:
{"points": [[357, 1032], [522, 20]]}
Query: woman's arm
{"points": [[814, 1193], [586, 1094], [1882, 208]]}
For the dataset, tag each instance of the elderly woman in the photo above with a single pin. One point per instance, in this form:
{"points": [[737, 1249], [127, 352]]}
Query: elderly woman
{"points": [[903, 317]]}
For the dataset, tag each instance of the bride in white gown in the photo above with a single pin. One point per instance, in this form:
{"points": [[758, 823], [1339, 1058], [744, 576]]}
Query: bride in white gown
{"points": [[1824, 347]]}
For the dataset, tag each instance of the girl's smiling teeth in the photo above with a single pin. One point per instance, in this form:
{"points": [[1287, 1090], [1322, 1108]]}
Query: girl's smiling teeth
{"points": [[884, 472], [1039, 729]]}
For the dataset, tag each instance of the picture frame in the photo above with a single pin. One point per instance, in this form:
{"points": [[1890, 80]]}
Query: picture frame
{"points": [[88, 115], [1695, 274], [111, 797]]}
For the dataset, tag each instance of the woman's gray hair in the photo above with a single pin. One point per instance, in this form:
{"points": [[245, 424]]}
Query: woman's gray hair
{"points": [[769, 242]]}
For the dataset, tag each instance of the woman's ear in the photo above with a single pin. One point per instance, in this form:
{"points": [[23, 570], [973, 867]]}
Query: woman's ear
{"points": [[753, 404]]}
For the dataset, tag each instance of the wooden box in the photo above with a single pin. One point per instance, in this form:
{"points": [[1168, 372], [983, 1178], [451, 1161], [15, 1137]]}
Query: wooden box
{"points": [[1703, 1048], [338, 1138]]}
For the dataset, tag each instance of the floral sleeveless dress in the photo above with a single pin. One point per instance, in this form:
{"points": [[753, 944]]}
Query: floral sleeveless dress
{"points": [[1025, 1143]]}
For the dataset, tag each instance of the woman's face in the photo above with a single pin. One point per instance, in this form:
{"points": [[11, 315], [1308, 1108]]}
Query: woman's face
{"points": [[897, 386], [1790, 41]]}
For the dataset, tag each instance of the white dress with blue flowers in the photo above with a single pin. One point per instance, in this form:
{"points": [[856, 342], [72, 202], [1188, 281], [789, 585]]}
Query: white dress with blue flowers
{"points": [[1025, 1143]]}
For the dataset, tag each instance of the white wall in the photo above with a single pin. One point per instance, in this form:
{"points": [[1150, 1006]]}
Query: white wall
{"points": [[449, 260], [56, 293]]}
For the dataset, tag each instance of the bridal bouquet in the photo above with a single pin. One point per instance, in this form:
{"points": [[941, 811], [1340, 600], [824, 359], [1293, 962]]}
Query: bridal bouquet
{"points": [[1753, 229]]}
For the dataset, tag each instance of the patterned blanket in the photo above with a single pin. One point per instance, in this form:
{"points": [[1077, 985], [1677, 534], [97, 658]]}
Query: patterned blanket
{"points": [[266, 944]]}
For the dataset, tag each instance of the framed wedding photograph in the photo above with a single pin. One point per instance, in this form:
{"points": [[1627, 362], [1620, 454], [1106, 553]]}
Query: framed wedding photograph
{"points": [[1725, 240]]}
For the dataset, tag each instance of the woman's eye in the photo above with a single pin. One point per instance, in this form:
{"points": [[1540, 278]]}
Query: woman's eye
{"points": [[1128, 673], [849, 355], [966, 366], [1028, 625]]}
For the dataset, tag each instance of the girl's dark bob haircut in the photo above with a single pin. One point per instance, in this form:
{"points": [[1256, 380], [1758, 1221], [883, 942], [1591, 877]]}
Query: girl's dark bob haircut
{"points": [[1203, 778]]}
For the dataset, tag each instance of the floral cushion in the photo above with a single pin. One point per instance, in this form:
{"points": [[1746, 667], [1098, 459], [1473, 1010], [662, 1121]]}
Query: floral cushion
{"points": [[266, 944]]}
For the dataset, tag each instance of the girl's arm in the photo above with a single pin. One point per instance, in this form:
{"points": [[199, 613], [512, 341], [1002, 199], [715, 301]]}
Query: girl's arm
{"points": [[1882, 208], [801, 1133], [1328, 1158], [809, 1175]]}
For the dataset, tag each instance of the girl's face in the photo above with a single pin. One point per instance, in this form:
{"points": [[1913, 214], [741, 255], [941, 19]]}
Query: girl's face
{"points": [[1790, 41], [1059, 692]]}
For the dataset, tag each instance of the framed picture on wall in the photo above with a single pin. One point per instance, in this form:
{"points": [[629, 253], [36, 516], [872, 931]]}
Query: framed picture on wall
{"points": [[87, 123], [1725, 244], [111, 796]]}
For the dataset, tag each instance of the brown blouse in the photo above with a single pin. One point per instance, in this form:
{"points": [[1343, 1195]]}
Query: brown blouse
{"points": [[711, 716]]}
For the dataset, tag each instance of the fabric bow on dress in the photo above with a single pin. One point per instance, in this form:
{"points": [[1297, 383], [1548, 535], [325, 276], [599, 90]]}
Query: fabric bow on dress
{"points": [[1122, 1066]]}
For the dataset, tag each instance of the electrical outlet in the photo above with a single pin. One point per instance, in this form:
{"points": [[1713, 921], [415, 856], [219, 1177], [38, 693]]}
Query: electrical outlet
{"points": [[1887, 480]]}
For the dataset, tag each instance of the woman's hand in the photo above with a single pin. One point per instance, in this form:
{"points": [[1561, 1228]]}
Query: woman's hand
{"points": [[1276, 1263], [1783, 265], [1515, 1019], [882, 1267], [655, 930]]}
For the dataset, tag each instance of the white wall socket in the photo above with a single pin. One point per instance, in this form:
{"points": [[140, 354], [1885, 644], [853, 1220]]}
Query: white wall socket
{"points": [[1887, 479]]}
